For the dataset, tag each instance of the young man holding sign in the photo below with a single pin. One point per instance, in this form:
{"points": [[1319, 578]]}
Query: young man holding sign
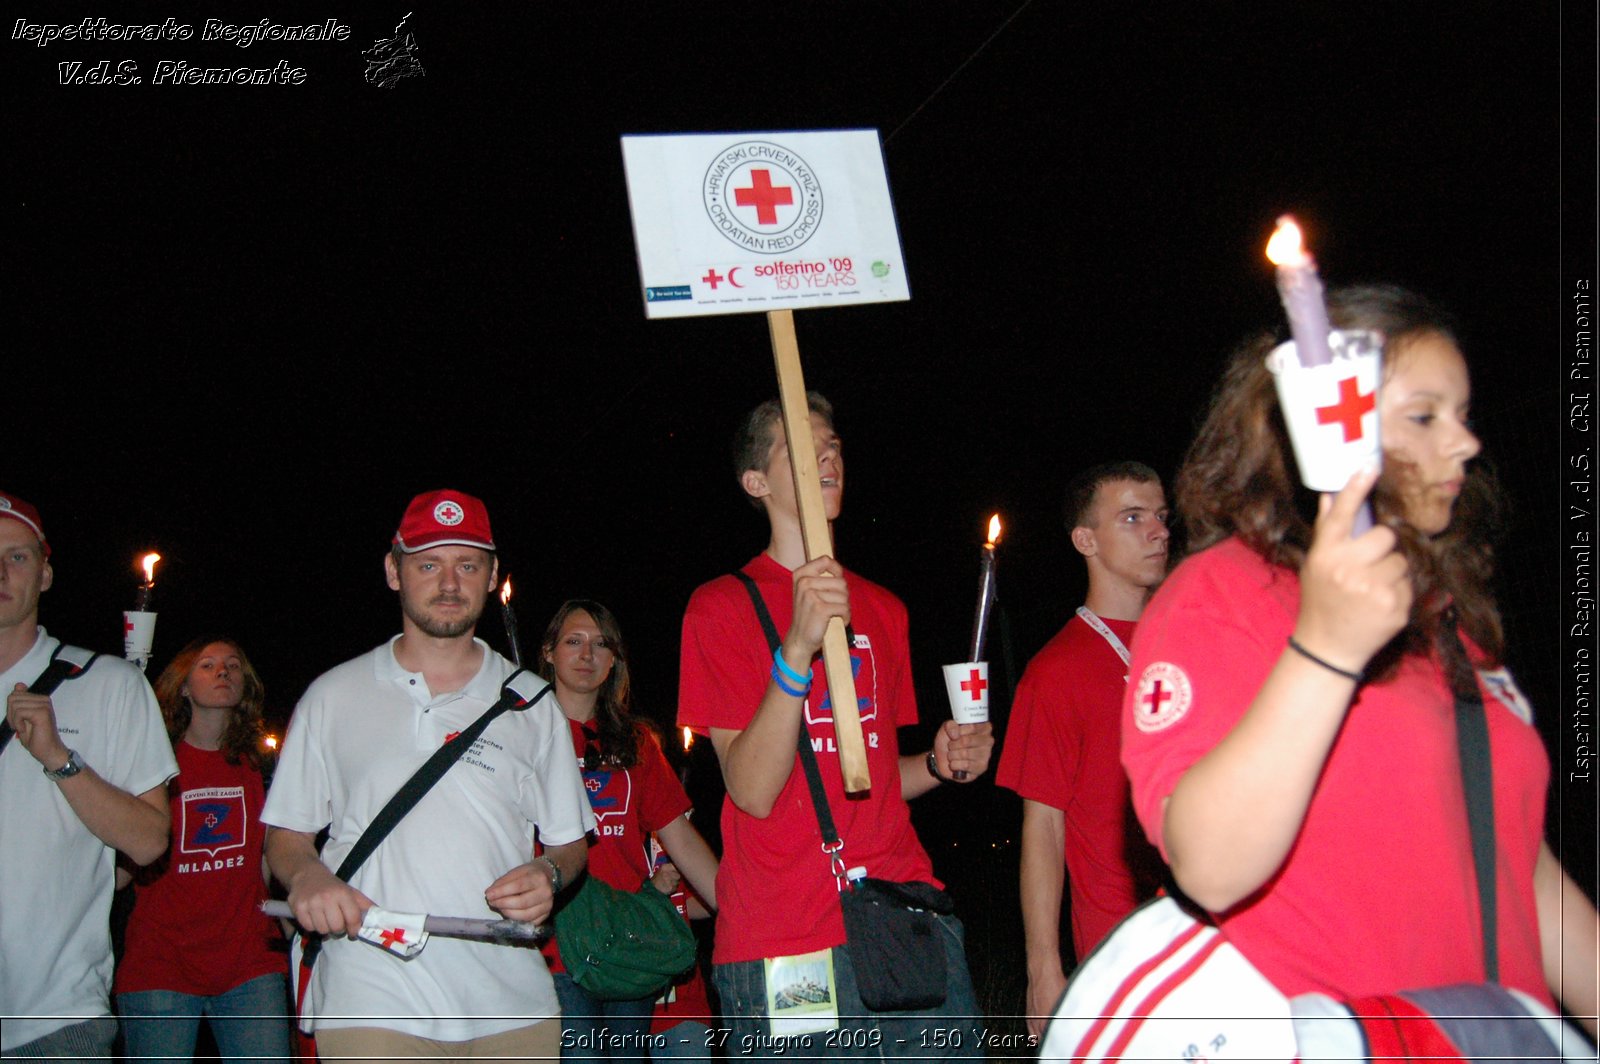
{"points": [[782, 964]]}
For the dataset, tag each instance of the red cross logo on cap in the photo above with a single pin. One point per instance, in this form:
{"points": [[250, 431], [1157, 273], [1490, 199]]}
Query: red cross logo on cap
{"points": [[1348, 411], [448, 513], [974, 685], [764, 197]]}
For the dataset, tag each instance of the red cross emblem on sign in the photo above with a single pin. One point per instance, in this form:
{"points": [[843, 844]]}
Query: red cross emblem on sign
{"points": [[1156, 697], [390, 935], [713, 278], [763, 197], [1348, 411], [974, 685], [127, 627]]}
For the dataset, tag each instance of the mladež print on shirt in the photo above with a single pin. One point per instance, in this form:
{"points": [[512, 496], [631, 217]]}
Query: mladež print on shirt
{"points": [[610, 794], [863, 667], [214, 830]]}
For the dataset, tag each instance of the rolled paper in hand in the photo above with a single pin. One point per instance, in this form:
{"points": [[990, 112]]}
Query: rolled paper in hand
{"points": [[967, 684], [1332, 409], [138, 636], [400, 933]]}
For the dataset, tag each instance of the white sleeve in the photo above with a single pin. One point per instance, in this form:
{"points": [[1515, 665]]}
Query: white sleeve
{"points": [[143, 754], [554, 799], [301, 795]]}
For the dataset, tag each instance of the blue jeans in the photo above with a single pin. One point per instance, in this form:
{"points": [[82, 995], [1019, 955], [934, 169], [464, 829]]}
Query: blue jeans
{"points": [[249, 1022], [953, 1030], [592, 1029]]}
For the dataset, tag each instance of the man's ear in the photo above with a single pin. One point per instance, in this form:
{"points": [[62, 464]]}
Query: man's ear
{"points": [[494, 572], [754, 483], [47, 577], [391, 571], [1084, 540]]}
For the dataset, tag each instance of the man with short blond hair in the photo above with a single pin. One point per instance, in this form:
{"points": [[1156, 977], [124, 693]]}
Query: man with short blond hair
{"points": [[83, 774], [777, 894]]}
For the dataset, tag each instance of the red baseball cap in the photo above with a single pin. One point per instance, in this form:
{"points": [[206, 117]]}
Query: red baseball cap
{"points": [[28, 514], [443, 518]]}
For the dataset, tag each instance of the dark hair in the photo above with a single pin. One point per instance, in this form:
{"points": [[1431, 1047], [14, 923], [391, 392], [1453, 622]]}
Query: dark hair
{"points": [[1082, 488], [1239, 479], [241, 740], [617, 730], [752, 441]]}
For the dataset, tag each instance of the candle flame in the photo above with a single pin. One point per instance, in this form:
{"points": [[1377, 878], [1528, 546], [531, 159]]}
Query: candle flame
{"points": [[1287, 247], [994, 530], [270, 742], [148, 564], [688, 740], [505, 592]]}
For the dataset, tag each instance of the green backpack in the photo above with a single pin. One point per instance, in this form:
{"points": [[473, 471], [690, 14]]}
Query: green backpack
{"points": [[620, 946]]}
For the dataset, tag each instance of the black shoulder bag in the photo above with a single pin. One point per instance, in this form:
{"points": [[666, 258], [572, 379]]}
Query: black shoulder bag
{"points": [[890, 931], [68, 662], [512, 696]]}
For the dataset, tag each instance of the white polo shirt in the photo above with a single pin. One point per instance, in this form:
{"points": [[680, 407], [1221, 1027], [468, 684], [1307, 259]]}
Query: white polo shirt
{"points": [[359, 733], [56, 877]]}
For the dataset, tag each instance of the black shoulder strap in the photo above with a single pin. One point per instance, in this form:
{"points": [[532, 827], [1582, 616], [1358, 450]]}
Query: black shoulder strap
{"points": [[512, 696], [1477, 781], [808, 758], [66, 663]]}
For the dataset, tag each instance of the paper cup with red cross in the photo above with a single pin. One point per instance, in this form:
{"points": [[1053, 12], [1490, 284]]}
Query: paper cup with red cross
{"points": [[967, 684], [138, 636], [1332, 410]]}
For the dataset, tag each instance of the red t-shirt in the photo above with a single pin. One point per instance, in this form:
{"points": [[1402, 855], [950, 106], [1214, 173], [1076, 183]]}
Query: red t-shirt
{"points": [[1378, 894], [628, 804], [776, 895], [197, 928], [1063, 749]]}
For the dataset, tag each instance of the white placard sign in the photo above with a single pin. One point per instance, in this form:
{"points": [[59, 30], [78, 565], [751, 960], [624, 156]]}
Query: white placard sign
{"points": [[739, 223]]}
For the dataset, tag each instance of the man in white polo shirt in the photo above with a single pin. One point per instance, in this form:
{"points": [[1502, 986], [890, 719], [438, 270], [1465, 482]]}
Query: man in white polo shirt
{"points": [[83, 774], [466, 849]]}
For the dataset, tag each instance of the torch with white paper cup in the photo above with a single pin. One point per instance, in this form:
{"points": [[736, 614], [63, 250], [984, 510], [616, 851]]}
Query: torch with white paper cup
{"points": [[139, 623], [1327, 381], [1332, 409], [967, 684]]}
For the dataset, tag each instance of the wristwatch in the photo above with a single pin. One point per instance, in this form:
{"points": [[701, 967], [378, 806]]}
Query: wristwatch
{"points": [[557, 880], [73, 766], [933, 766]]}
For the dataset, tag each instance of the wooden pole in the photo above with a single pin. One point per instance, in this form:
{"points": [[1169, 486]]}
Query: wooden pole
{"points": [[818, 541]]}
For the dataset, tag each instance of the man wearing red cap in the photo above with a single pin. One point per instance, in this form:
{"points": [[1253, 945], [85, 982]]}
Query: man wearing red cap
{"points": [[68, 809], [465, 849]]}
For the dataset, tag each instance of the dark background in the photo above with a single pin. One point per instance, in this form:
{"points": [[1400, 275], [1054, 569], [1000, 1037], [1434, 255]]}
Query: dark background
{"points": [[247, 324]]}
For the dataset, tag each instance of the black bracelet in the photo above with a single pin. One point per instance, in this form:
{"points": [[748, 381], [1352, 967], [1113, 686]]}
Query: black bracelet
{"points": [[932, 761], [1330, 666]]}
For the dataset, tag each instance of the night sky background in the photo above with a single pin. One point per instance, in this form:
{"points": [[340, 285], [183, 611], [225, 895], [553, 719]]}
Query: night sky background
{"points": [[246, 324]]}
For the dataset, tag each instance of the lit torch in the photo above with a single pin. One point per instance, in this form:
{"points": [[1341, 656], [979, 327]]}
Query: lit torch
{"points": [[139, 624], [509, 616], [1300, 290], [980, 619], [148, 564]]}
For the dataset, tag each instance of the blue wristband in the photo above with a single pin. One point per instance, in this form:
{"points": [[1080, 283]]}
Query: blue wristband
{"points": [[794, 677], [783, 685]]}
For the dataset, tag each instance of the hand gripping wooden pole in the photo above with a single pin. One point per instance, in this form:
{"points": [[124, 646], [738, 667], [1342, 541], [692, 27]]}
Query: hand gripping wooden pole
{"points": [[818, 540]]}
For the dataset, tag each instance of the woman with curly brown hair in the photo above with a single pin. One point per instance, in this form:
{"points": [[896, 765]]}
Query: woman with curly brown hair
{"points": [[196, 943], [1290, 729]]}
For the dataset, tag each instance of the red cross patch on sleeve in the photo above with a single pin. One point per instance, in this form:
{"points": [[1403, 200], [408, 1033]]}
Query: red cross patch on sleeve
{"points": [[1164, 696]]}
